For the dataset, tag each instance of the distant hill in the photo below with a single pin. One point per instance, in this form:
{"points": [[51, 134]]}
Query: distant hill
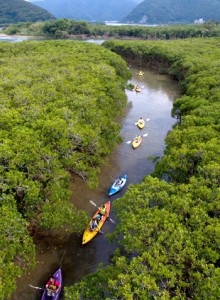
{"points": [[14, 11], [89, 10], [174, 11]]}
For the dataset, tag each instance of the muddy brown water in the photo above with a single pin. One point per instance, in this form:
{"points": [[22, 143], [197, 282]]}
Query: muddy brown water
{"points": [[154, 104]]}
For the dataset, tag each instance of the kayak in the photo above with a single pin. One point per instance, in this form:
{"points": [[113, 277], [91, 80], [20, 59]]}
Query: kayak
{"points": [[137, 89], [136, 141], [141, 73], [141, 123], [88, 235], [116, 187], [58, 277]]}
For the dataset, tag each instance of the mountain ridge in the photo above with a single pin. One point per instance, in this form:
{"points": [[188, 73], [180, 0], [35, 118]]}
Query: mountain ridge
{"points": [[174, 11], [15, 11], [89, 10]]}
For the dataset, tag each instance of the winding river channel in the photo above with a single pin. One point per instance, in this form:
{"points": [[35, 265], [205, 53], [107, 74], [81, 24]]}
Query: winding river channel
{"points": [[153, 104]]}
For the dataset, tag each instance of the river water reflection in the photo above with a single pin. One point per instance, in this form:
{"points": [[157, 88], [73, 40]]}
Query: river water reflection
{"points": [[16, 39], [154, 104]]}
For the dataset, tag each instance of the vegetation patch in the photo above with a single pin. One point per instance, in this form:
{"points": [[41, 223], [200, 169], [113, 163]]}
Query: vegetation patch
{"points": [[64, 28], [59, 111]]}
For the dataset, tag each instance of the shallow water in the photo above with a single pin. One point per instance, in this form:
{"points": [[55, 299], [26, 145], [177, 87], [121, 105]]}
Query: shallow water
{"points": [[18, 38]]}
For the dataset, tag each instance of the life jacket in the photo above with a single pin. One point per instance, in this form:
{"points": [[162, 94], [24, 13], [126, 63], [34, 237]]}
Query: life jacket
{"points": [[102, 210], [53, 286]]}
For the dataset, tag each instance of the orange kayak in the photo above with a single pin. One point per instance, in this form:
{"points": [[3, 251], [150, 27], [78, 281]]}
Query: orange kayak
{"points": [[88, 235]]}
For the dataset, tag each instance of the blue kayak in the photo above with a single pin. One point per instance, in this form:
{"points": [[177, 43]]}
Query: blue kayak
{"points": [[118, 185]]}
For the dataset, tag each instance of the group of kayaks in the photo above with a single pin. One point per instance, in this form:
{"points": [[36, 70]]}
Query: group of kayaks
{"points": [[137, 88], [88, 234], [138, 139]]}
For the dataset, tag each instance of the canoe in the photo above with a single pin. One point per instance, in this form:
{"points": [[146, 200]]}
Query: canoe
{"points": [[141, 73], [88, 235], [117, 187], [141, 123], [136, 141], [137, 89], [58, 277]]}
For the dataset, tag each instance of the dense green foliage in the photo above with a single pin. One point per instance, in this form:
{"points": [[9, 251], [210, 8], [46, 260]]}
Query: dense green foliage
{"points": [[14, 11], [172, 246], [63, 28], [58, 116], [174, 11], [16, 247], [169, 231], [90, 10]]}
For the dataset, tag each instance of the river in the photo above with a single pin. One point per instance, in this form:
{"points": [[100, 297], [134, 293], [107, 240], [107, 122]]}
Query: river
{"points": [[153, 104]]}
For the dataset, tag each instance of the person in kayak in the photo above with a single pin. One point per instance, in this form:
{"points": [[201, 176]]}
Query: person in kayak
{"points": [[102, 212], [98, 217], [141, 120], [119, 181], [137, 138], [52, 287], [93, 224]]}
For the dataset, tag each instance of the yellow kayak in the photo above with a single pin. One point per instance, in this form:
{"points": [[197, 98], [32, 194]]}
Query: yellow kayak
{"points": [[88, 234], [141, 123], [141, 73], [136, 141], [137, 89]]}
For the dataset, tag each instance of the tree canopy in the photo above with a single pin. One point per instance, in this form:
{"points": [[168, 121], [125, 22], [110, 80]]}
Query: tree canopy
{"points": [[64, 28], [59, 112]]}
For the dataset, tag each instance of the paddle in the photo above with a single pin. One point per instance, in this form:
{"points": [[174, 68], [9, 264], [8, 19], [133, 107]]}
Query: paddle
{"points": [[146, 134], [98, 207], [100, 231], [36, 287], [39, 288]]}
